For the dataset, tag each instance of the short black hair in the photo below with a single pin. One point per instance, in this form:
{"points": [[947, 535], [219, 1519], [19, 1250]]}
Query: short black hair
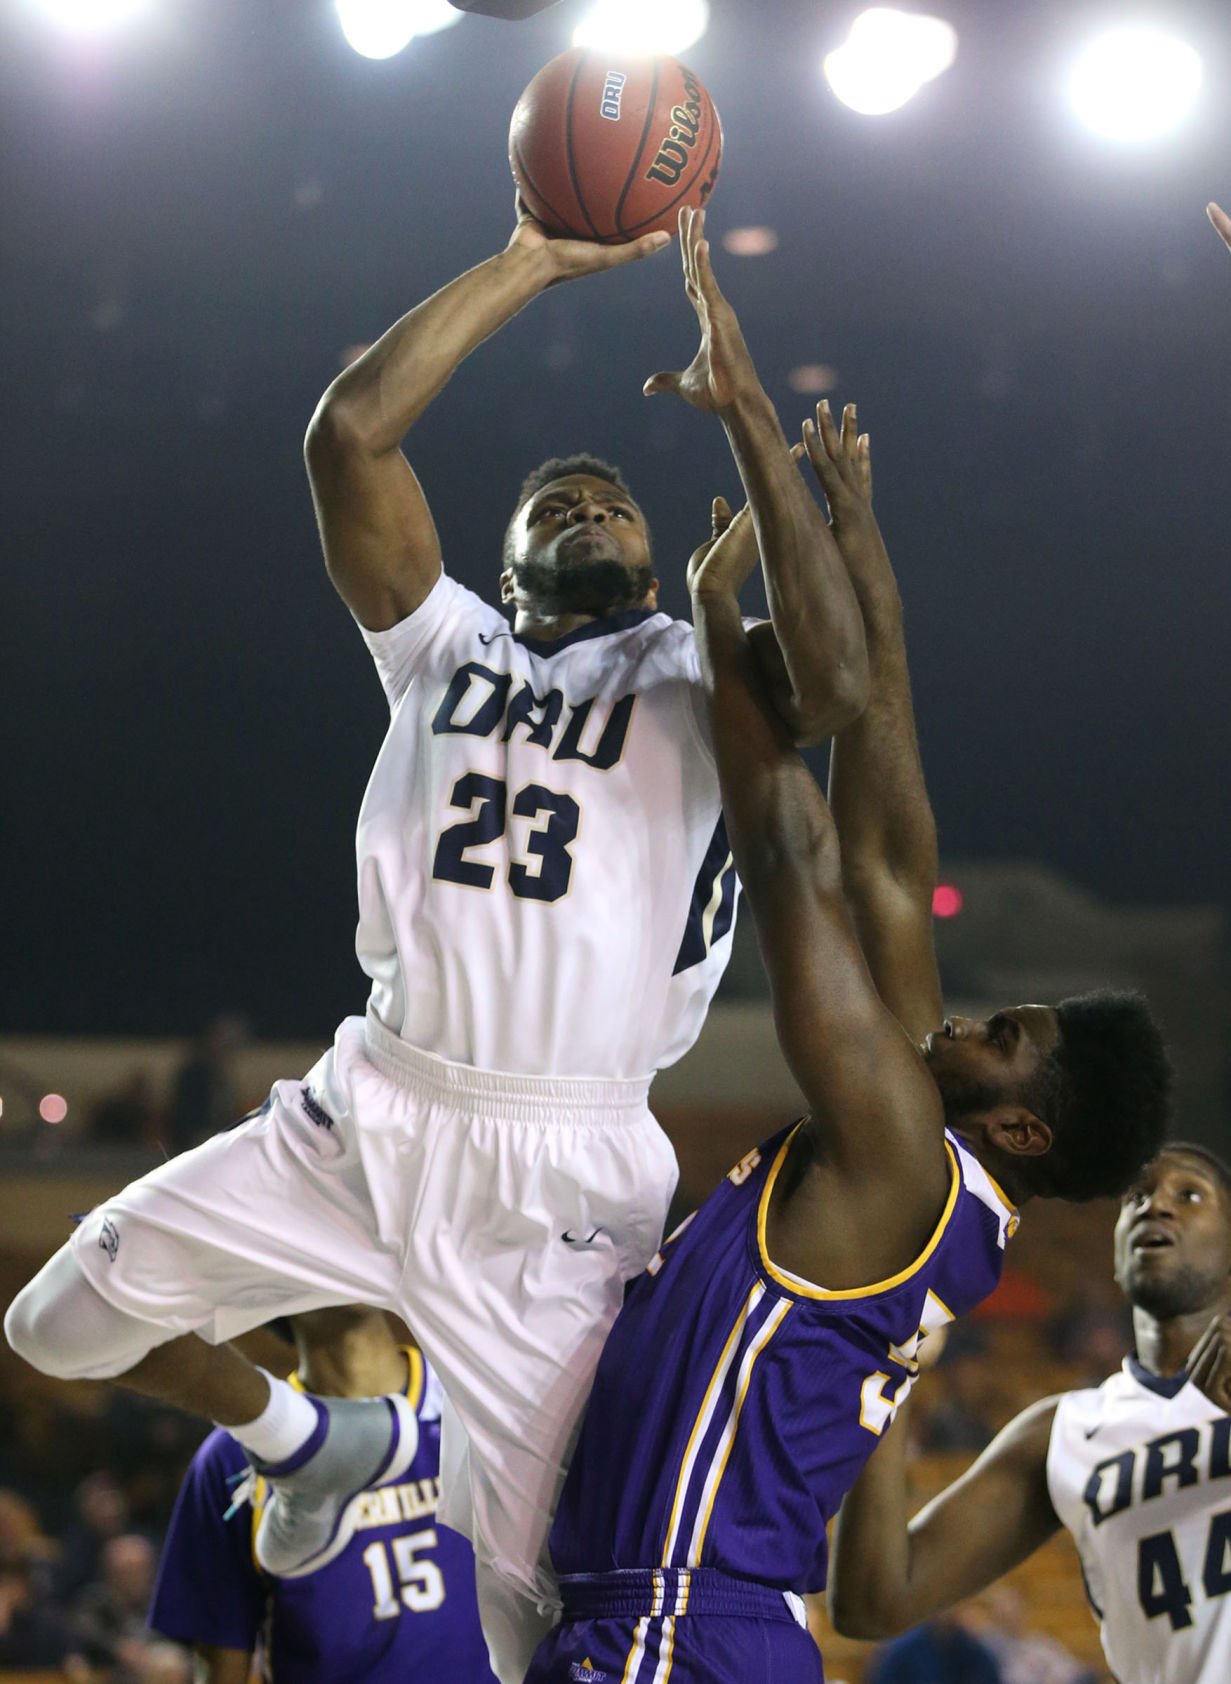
{"points": [[1107, 1096], [560, 467]]}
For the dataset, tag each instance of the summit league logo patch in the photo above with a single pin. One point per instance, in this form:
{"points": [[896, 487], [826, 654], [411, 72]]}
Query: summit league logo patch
{"points": [[109, 1239]]}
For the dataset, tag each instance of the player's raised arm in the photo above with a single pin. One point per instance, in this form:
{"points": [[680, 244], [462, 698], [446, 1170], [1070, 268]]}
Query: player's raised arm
{"points": [[876, 788], [814, 655], [379, 538], [888, 1574], [877, 1118]]}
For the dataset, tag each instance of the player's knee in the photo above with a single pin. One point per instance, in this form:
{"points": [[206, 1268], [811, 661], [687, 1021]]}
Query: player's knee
{"points": [[30, 1328], [61, 1326]]}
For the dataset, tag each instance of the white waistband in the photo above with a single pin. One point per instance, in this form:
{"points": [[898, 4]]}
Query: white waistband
{"points": [[531, 1099]]}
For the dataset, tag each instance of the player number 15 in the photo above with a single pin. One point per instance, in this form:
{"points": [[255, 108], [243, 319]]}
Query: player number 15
{"points": [[421, 1583]]}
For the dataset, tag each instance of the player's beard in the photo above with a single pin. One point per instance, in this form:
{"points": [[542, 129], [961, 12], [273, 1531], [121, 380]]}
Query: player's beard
{"points": [[600, 586], [1181, 1292], [964, 1097]]}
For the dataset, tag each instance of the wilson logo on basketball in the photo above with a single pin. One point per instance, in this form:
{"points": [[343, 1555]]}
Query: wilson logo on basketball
{"points": [[675, 149], [613, 95]]}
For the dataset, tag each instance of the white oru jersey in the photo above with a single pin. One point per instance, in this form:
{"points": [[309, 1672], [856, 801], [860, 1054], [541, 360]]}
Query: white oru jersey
{"points": [[545, 885], [1139, 1470]]}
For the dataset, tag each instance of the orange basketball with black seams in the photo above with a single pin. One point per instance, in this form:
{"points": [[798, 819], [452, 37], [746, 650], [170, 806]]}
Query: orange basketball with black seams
{"points": [[609, 146]]}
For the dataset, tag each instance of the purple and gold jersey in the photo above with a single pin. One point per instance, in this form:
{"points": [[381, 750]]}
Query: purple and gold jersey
{"points": [[735, 1404], [397, 1604]]}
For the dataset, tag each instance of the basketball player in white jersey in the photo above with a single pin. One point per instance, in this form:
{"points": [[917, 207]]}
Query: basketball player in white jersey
{"points": [[545, 905], [1138, 1469]]}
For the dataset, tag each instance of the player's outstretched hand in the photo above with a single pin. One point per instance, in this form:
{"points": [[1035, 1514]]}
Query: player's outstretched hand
{"points": [[723, 564], [722, 370], [1221, 221], [567, 259], [1209, 1366], [842, 461]]}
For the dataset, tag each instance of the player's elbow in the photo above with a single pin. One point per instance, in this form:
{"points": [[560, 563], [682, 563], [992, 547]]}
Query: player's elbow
{"points": [[334, 432], [831, 705], [860, 1625], [859, 1614]]}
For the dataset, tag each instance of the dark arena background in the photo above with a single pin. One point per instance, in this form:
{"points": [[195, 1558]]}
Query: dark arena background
{"points": [[984, 221]]}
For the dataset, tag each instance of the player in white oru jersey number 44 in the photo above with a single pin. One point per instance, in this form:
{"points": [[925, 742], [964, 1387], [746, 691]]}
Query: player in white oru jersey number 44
{"points": [[545, 904], [1138, 1469]]}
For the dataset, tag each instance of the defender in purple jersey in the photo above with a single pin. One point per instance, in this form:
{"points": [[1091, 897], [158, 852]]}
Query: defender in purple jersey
{"points": [[759, 1358], [398, 1602]]}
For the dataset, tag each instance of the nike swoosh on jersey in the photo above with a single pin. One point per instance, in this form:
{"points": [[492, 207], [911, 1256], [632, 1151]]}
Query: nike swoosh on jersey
{"points": [[1089, 1432]]}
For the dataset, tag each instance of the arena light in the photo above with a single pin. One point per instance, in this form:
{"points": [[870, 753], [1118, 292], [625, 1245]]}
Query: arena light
{"points": [[91, 17], [947, 900], [53, 1108], [813, 378], [382, 28], [755, 241], [1135, 83], [887, 57], [643, 26]]}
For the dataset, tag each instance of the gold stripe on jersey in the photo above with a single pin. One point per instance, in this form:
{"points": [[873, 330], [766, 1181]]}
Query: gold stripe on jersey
{"points": [[704, 1415], [722, 1451], [805, 1289]]}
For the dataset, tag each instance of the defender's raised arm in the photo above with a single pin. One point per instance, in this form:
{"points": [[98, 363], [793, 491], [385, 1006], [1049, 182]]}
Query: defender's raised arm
{"points": [[876, 786], [813, 652], [379, 538]]}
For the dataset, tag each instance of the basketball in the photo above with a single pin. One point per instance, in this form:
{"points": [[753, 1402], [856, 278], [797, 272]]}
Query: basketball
{"points": [[609, 146]]}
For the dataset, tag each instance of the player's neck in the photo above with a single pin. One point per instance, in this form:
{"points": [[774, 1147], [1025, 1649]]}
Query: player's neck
{"points": [[1164, 1346], [353, 1366], [546, 630], [531, 620]]}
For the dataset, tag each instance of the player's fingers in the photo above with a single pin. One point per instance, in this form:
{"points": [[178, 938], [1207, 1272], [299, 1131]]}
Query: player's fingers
{"points": [[1206, 1347], [1221, 221], [706, 280], [721, 516], [614, 256], [686, 244], [664, 381], [865, 463], [822, 462], [797, 451], [850, 430], [828, 429]]}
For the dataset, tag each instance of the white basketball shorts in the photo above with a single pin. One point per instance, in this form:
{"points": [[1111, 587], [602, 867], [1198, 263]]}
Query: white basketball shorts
{"points": [[499, 1216]]}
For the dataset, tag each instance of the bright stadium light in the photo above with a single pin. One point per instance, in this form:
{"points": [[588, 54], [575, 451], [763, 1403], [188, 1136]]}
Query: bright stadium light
{"points": [[1135, 83], [643, 26], [381, 28], [91, 17], [887, 57]]}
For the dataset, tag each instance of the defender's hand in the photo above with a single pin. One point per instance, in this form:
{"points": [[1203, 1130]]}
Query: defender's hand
{"points": [[1221, 221], [1209, 1366], [722, 371], [842, 461], [565, 260], [721, 566]]}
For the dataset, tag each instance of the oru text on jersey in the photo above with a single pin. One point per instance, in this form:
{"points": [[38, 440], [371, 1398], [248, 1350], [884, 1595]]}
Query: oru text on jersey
{"points": [[1139, 1470]]}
